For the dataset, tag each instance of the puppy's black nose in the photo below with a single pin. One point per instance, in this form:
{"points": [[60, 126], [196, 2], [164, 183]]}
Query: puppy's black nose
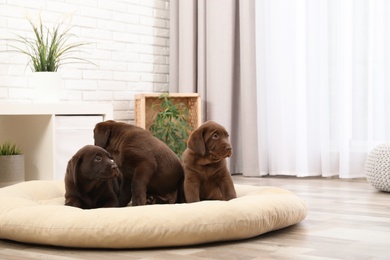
{"points": [[228, 148]]}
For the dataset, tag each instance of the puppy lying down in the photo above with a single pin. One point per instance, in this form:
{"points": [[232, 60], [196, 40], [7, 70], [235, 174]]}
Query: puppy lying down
{"points": [[92, 179], [206, 176]]}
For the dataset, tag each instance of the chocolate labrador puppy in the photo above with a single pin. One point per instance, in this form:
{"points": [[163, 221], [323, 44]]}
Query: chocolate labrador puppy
{"points": [[152, 173], [206, 176], [92, 179]]}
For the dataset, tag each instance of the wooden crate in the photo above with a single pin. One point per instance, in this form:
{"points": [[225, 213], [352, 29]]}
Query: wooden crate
{"points": [[145, 114]]}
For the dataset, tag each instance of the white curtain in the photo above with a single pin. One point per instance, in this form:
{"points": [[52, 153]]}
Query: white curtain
{"points": [[313, 102], [323, 85]]}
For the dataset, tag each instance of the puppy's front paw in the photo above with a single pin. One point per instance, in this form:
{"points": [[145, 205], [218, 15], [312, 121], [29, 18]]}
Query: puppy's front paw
{"points": [[73, 203], [138, 201]]}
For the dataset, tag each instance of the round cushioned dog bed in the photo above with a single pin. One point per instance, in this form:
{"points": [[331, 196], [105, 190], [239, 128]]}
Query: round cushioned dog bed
{"points": [[34, 212]]}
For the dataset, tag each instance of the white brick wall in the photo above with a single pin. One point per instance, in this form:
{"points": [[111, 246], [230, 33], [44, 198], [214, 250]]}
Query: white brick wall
{"points": [[130, 48]]}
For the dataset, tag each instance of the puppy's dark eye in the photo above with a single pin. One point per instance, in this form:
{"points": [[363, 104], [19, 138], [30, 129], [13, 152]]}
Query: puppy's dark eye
{"points": [[98, 158], [215, 136]]}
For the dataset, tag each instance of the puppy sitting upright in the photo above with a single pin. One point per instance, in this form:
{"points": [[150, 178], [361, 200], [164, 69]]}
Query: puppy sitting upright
{"points": [[206, 176], [92, 179]]}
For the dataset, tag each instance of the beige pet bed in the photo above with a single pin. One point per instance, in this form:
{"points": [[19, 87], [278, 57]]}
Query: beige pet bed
{"points": [[34, 212]]}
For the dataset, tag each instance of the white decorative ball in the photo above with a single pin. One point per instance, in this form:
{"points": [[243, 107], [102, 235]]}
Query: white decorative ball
{"points": [[378, 167]]}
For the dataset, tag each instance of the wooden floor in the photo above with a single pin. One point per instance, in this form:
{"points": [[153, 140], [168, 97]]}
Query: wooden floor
{"points": [[348, 219]]}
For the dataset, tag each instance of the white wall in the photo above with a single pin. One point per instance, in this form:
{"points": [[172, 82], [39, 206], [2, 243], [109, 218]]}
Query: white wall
{"points": [[130, 47]]}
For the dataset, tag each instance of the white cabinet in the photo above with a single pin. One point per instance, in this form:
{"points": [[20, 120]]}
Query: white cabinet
{"points": [[49, 134], [71, 133]]}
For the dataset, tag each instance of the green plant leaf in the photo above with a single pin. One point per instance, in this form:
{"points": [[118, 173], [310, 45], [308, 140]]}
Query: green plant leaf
{"points": [[9, 149], [171, 123], [49, 49]]}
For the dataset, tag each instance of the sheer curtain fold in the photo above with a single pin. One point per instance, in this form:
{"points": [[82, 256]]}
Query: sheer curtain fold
{"points": [[302, 86], [325, 82]]}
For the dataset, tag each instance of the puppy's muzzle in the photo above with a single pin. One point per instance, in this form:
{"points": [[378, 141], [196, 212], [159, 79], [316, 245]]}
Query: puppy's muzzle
{"points": [[229, 150], [115, 169]]}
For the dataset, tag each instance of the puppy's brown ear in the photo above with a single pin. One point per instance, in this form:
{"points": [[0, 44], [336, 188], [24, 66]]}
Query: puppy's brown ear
{"points": [[72, 168], [101, 134], [196, 142]]}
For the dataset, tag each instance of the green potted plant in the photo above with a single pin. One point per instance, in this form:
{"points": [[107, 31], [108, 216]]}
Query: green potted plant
{"points": [[11, 164], [47, 51], [171, 124]]}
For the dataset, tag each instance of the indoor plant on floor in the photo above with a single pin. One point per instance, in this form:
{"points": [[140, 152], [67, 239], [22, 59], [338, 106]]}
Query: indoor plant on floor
{"points": [[11, 164], [171, 124], [47, 51]]}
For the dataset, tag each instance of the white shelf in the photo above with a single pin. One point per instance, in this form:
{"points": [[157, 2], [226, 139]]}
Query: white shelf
{"points": [[57, 109], [33, 128]]}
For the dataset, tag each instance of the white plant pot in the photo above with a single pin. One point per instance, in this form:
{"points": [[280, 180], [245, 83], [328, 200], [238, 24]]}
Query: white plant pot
{"points": [[47, 86], [11, 169]]}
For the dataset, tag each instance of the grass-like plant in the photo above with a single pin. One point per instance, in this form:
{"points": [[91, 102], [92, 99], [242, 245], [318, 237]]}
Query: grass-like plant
{"points": [[9, 149], [49, 48], [171, 124]]}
